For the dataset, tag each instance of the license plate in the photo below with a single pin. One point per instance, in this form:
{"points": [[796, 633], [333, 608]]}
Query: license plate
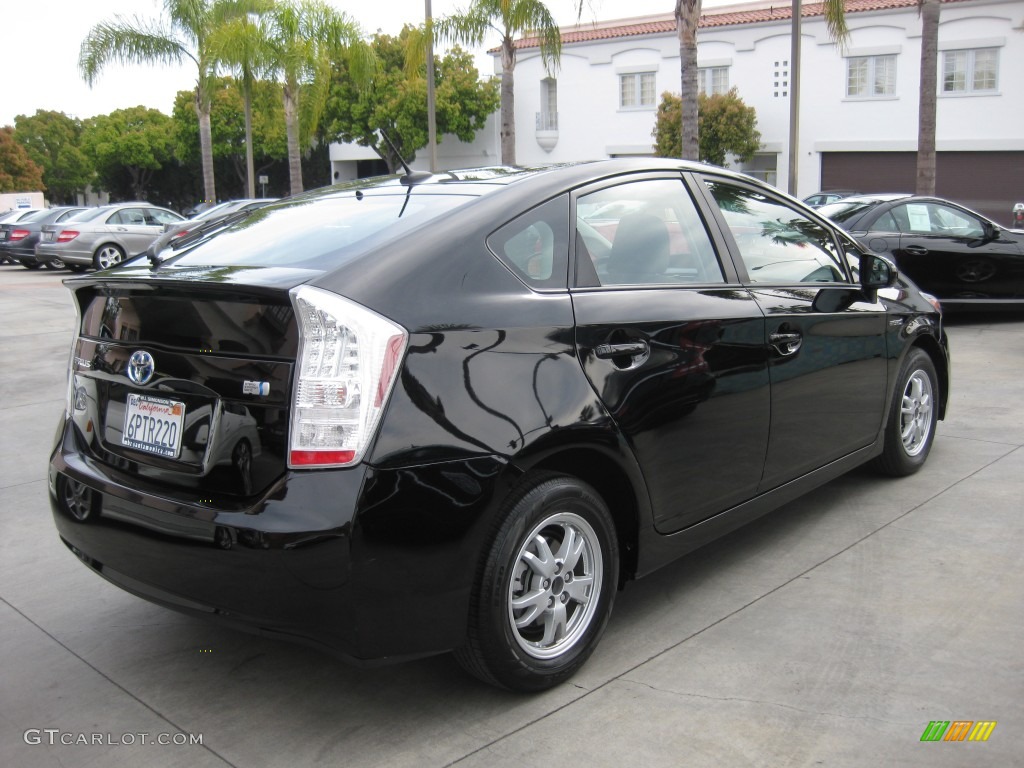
{"points": [[47, 237], [153, 425]]}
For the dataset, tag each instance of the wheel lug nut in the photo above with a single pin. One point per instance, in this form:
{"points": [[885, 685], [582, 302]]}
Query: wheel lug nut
{"points": [[564, 597], [547, 583]]}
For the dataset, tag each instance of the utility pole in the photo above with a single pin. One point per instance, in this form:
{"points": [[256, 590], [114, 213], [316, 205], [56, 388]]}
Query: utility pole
{"points": [[431, 105], [794, 100]]}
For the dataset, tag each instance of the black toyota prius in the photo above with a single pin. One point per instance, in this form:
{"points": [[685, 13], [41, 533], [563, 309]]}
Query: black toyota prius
{"points": [[411, 415]]}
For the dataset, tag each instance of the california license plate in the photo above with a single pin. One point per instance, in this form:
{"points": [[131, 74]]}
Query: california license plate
{"points": [[153, 425]]}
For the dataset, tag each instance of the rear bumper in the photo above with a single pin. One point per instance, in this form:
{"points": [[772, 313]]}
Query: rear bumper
{"points": [[346, 560]]}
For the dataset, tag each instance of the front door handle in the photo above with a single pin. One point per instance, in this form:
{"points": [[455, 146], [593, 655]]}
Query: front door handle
{"points": [[629, 348], [786, 344], [916, 250]]}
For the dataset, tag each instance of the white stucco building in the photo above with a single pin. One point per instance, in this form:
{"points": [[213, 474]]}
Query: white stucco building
{"points": [[858, 120]]}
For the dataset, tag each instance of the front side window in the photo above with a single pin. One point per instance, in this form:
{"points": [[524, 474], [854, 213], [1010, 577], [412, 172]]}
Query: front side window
{"points": [[970, 71], [870, 76], [937, 219], [643, 233], [713, 80], [637, 90], [777, 243]]}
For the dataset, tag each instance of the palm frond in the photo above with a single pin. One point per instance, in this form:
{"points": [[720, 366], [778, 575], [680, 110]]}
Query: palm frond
{"points": [[136, 41]]}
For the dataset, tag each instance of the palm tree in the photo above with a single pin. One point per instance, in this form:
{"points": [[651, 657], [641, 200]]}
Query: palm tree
{"points": [[687, 14], [180, 34], [241, 42], [508, 18], [304, 36], [929, 13]]}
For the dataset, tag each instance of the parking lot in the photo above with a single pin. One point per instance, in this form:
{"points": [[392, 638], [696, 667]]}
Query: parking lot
{"points": [[831, 632]]}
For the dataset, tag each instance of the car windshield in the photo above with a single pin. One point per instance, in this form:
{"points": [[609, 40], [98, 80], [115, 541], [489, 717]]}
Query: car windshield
{"points": [[315, 233], [844, 210]]}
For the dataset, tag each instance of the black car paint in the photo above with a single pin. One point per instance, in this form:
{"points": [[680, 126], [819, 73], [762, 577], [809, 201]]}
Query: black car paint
{"points": [[385, 569], [961, 271]]}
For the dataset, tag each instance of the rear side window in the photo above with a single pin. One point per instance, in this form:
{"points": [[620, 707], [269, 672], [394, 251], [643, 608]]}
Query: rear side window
{"points": [[644, 232], [778, 244], [535, 245]]}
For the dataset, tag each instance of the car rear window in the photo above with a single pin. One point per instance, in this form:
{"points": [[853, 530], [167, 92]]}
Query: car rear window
{"points": [[316, 233], [88, 214], [842, 211]]}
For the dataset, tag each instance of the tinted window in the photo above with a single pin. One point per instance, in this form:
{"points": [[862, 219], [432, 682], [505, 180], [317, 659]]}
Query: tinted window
{"points": [[642, 233], [777, 243], [843, 211], [936, 219], [316, 233], [535, 245], [885, 223]]}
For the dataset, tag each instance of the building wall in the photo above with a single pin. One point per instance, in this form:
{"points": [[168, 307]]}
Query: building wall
{"points": [[591, 125]]}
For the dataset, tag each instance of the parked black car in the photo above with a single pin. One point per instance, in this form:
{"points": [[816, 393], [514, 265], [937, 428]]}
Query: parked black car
{"points": [[480, 412], [819, 199], [18, 240], [961, 257]]}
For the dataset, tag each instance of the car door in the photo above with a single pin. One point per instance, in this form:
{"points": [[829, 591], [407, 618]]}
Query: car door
{"points": [[672, 344], [954, 253], [134, 229], [826, 344]]}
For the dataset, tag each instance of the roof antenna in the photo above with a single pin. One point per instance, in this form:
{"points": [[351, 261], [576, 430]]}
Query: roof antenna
{"points": [[411, 177]]}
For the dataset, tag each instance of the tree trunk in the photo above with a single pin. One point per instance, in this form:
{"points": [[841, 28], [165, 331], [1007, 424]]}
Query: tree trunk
{"points": [[687, 19], [929, 10], [291, 124], [508, 102], [250, 172], [206, 147]]}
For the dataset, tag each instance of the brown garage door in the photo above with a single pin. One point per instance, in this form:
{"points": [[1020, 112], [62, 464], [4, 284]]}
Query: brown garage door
{"points": [[988, 182]]}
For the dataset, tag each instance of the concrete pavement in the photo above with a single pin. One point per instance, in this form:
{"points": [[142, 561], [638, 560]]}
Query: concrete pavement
{"points": [[828, 633]]}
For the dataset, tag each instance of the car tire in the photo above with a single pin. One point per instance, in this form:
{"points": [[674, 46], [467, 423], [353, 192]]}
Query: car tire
{"points": [[910, 428], [107, 256], [544, 591], [31, 264]]}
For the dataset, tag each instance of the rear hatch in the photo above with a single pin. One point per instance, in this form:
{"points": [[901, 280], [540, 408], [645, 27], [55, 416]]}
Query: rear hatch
{"points": [[185, 384]]}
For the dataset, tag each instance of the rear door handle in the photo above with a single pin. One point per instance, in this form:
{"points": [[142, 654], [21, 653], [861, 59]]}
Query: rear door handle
{"points": [[629, 348], [916, 250], [786, 344]]}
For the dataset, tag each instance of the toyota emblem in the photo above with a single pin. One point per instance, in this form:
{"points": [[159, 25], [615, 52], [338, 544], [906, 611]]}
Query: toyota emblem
{"points": [[141, 367]]}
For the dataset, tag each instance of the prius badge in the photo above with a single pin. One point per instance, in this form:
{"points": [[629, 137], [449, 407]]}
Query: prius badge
{"points": [[141, 367]]}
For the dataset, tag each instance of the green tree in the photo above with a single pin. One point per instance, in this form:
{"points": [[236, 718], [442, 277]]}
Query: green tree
{"points": [[726, 126], [181, 34], [268, 136], [305, 38], [242, 43], [397, 104], [509, 18], [52, 140], [928, 10], [135, 142], [17, 171]]}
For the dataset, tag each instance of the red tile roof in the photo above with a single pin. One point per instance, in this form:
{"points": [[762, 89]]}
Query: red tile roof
{"points": [[718, 17]]}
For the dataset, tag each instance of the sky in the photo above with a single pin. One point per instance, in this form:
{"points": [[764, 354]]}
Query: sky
{"points": [[39, 51]]}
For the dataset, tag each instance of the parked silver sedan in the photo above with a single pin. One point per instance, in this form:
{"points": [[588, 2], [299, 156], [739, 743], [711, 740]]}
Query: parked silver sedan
{"points": [[105, 236]]}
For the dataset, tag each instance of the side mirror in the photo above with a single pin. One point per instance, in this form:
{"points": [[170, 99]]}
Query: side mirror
{"points": [[876, 272]]}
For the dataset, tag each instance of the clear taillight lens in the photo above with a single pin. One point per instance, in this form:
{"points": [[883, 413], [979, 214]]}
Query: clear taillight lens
{"points": [[348, 360]]}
